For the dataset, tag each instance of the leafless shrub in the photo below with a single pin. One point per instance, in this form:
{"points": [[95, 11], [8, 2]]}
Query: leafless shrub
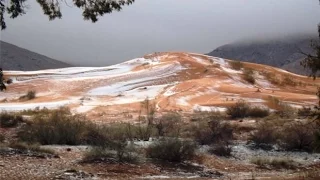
{"points": [[248, 75], [30, 95], [9, 120], [276, 163], [172, 150], [236, 65]]}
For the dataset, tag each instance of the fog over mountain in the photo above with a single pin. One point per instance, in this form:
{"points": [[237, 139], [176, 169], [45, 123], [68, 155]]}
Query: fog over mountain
{"points": [[283, 52], [152, 26]]}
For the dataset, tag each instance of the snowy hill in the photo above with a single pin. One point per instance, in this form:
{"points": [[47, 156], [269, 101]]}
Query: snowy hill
{"points": [[173, 81]]}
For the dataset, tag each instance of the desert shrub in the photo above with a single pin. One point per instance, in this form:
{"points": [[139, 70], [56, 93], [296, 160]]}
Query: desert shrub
{"points": [[236, 65], [288, 81], [304, 111], [298, 136], [140, 131], [8, 120], [57, 127], [276, 163], [248, 75], [97, 153], [2, 138], [238, 110], [272, 78], [30, 95], [168, 125], [242, 109], [36, 111], [30, 147], [258, 112], [117, 152], [265, 135], [283, 109], [313, 173], [171, 149], [9, 81], [286, 111], [222, 149], [213, 132], [199, 116]]}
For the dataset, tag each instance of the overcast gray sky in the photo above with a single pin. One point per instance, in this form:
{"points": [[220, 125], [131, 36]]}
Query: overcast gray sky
{"points": [[158, 25]]}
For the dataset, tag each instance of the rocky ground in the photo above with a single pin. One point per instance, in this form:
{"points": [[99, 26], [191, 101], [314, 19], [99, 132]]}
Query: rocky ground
{"points": [[66, 164]]}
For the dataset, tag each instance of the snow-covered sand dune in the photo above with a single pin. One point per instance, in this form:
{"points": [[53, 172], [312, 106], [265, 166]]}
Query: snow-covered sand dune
{"points": [[173, 81]]}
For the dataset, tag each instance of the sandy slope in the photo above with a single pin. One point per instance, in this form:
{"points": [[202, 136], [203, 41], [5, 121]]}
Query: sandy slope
{"points": [[174, 81]]}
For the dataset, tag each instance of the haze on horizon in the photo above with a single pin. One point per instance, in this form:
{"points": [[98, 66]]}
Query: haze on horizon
{"points": [[158, 25]]}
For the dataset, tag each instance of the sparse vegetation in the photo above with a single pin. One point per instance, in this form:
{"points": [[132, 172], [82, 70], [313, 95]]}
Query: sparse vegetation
{"points": [[242, 109], [283, 109], [222, 149], [258, 112], [239, 110], [305, 111], [116, 152], [288, 135], [216, 134], [236, 65], [9, 120], [298, 136], [287, 81], [58, 127], [272, 78], [248, 75], [29, 96], [265, 135], [2, 138], [172, 150], [276, 163], [30, 147], [168, 125]]}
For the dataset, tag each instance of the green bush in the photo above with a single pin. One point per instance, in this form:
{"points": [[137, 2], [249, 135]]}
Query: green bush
{"points": [[172, 150], [9, 120]]}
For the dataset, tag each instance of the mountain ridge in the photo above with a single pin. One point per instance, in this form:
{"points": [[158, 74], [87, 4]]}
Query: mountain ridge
{"points": [[13, 57], [282, 53]]}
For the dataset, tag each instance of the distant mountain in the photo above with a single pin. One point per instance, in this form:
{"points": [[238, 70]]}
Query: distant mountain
{"points": [[283, 53], [15, 58]]}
